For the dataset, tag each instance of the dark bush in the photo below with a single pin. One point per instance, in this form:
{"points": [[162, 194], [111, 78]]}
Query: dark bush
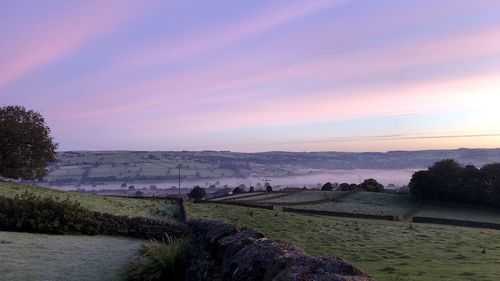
{"points": [[31, 213]]}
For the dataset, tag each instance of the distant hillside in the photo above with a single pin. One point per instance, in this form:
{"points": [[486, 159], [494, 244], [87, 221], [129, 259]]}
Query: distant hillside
{"points": [[87, 167]]}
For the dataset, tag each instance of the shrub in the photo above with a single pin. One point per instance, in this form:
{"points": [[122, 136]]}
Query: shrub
{"points": [[30, 213], [165, 260]]}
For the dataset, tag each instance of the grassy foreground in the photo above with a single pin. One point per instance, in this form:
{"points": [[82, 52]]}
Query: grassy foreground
{"points": [[113, 205], [26, 256], [386, 250]]}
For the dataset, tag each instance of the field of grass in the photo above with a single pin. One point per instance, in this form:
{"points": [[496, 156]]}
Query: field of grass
{"points": [[261, 196], [367, 203], [161, 209], [389, 251], [304, 196], [25, 256], [459, 212], [236, 196]]}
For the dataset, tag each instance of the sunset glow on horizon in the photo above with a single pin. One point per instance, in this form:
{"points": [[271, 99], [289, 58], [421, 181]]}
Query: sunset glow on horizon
{"points": [[326, 75]]}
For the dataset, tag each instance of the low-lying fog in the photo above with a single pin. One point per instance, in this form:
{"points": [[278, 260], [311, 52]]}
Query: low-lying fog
{"points": [[397, 177]]}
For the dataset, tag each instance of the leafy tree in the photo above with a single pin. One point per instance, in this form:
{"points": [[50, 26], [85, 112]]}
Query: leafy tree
{"points": [[197, 193], [371, 185], [26, 147], [238, 190], [269, 188], [252, 189], [327, 186]]}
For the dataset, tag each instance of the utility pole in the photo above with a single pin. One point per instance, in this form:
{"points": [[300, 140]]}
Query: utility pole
{"points": [[266, 184], [179, 166]]}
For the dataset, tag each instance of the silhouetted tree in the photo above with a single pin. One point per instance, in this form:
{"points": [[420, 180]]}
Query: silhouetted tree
{"points": [[197, 193], [327, 186], [345, 186], [371, 185], [447, 180], [269, 188], [238, 190], [251, 189], [26, 147]]}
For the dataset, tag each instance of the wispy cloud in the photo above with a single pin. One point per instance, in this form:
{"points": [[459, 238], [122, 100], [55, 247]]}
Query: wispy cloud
{"points": [[60, 32]]}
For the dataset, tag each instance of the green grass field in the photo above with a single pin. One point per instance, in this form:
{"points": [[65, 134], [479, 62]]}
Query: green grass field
{"points": [[26, 257], [389, 251], [161, 209], [367, 203], [305, 196], [459, 212]]}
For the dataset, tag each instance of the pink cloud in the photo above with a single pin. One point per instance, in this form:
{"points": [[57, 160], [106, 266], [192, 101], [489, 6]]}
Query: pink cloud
{"points": [[53, 37]]}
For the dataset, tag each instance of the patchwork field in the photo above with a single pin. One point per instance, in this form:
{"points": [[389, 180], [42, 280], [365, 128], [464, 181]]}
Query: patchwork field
{"points": [[153, 208], [389, 251], [26, 256]]}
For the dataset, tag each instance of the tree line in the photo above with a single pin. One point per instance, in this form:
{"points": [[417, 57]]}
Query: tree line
{"points": [[448, 180]]}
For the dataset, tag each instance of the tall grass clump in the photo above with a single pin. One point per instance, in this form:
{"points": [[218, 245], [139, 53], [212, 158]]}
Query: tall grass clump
{"points": [[160, 260]]}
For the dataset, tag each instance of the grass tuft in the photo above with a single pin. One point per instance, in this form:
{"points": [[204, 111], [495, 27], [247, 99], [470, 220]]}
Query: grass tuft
{"points": [[160, 260]]}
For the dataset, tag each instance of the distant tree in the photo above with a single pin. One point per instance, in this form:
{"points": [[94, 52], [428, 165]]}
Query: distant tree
{"points": [[371, 185], [346, 187], [252, 189], [238, 190], [327, 187], [139, 193], [212, 187], [26, 146], [197, 193], [269, 188], [124, 185], [131, 187]]}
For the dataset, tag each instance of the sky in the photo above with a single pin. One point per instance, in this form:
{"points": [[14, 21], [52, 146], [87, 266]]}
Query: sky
{"points": [[323, 75]]}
